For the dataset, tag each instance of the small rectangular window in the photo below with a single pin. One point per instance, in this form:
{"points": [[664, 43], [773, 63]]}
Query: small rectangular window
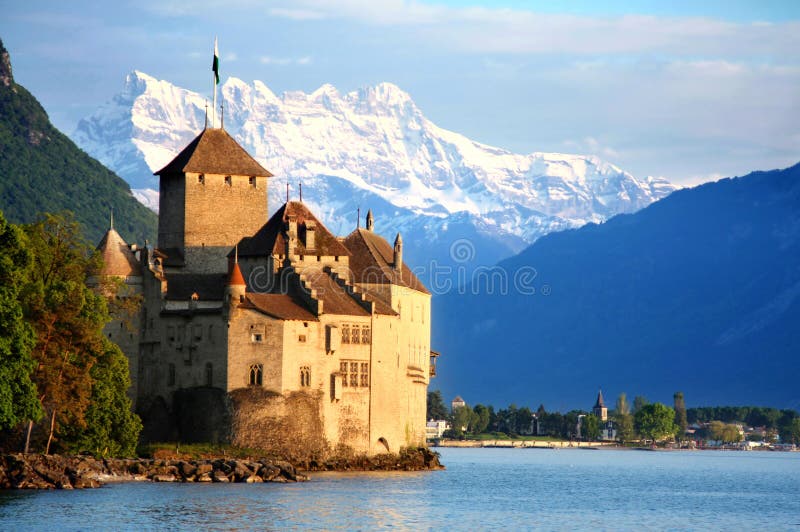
{"points": [[228, 180], [355, 337], [301, 338], [345, 334], [257, 338], [365, 334], [252, 181], [201, 179], [343, 371], [197, 332]]}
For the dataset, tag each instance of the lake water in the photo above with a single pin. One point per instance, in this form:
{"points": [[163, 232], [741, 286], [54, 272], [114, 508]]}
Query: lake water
{"points": [[481, 489]]}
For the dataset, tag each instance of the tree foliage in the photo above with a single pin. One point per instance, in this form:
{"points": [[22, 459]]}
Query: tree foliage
{"points": [[590, 428], [638, 402], [624, 419], [655, 421], [79, 378], [436, 408], [680, 414], [18, 399], [724, 432]]}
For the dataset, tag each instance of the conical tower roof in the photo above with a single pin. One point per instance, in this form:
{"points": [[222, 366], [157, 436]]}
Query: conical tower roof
{"points": [[118, 259], [214, 151], [599, 403]]}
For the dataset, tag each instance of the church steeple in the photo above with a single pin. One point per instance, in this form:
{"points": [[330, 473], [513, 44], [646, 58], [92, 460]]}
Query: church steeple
{"points": [[600, 409]]}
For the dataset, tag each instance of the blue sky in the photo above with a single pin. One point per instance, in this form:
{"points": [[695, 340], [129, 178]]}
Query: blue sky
{"points": [[686, 90]]}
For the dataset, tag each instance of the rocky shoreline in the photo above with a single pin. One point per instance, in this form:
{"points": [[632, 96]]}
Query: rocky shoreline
{"points": [[36, 471]]}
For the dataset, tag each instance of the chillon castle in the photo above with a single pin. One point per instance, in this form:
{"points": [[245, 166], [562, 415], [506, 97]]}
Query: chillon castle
{"points": [[268, 333]]}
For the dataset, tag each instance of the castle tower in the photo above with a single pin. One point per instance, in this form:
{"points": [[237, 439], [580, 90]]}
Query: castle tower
{"points": [[212, 194], [121, 282], [600, 409]]}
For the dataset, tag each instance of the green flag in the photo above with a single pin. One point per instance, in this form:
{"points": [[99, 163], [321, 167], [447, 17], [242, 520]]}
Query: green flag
{"points": [[215, 64]]}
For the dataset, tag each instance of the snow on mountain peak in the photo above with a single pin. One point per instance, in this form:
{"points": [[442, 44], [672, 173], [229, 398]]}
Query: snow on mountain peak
{"points": [[373, 146]]}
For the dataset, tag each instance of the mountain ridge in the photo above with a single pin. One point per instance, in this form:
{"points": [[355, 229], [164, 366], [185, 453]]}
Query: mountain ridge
{"points": [[377, 144], [43, 170], [698, 292]]}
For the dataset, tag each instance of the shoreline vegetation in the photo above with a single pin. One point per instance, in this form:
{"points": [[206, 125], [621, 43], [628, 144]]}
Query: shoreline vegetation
{"points": [[38, 471]]}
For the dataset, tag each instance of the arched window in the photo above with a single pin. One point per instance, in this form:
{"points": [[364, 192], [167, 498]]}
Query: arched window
{"points": [[305, 376], [209, 374], [256, 374]]}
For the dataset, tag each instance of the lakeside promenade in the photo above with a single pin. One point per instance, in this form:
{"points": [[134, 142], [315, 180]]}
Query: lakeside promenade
{"points": [[522, 444]]}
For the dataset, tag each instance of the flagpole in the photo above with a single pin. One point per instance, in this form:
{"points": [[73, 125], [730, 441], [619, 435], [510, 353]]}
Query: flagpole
{"points": [[214, 77]]}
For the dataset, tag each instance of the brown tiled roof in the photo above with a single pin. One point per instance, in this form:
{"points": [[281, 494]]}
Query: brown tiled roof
{"points": [[208, 287], [380, 306], [118, 259], [271, 238], [371, 259], [281, 306], [213, 151], [335, 299]]}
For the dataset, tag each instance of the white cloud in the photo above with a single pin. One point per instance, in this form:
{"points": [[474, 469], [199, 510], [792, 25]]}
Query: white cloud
{"points": [[296, 14], [284, 61]]}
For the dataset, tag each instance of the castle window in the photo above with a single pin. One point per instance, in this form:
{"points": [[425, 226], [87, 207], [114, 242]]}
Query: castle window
{"points": [[345, 334], [209, 374], [201, 179], [364, 375], [256, 338], [354, 374], [343, 366], [365, 335], [305, 376], [171, 375], [301, 338], [253, 182], [256, 374], [355, 337], [228, 180]]}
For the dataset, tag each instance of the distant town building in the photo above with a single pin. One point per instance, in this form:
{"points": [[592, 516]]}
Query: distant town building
{"points": [[600, 409], [608, 431], [458, 402], [435, 429]]}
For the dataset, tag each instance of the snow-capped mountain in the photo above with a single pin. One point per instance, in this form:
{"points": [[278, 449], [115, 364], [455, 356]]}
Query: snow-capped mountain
{"points": [[371, 148]]}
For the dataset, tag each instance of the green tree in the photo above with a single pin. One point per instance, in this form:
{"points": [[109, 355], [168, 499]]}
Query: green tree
{"points": [[590, 429], [624, 419], [724, 432], [463, 419], [483, 416], [793, 431], [68, 318], [680, 415], [655, 421], [436, 406], [638, 402], [18, 399], [112, 429]]}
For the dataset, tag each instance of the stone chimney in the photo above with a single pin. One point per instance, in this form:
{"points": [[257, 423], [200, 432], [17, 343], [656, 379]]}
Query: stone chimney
{"points": [[398, 253], [310, 242], [291, 235], [370, 221]]}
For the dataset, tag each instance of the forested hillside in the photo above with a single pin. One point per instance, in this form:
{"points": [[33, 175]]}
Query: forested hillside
{"points": [[41, 170]]}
